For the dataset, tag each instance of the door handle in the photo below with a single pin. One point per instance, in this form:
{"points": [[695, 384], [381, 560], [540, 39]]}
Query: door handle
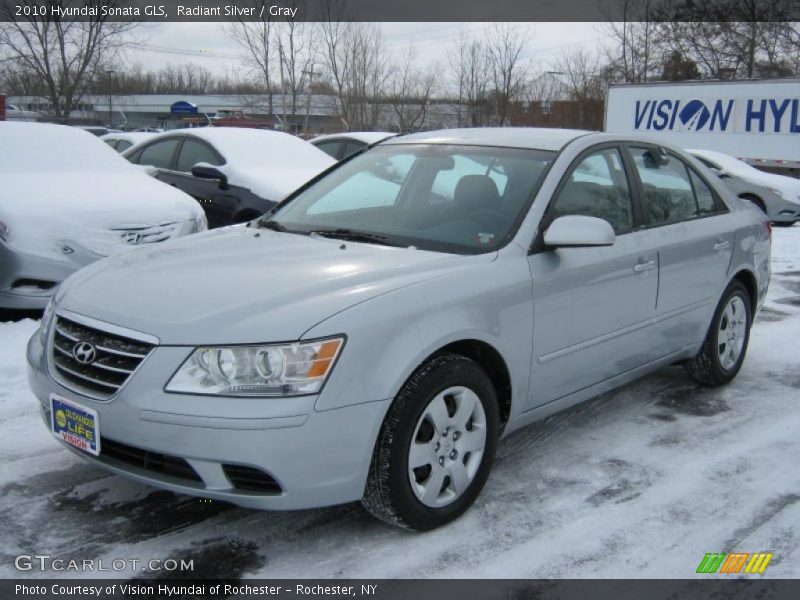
{"points": [[720, 246], [645, 266]]}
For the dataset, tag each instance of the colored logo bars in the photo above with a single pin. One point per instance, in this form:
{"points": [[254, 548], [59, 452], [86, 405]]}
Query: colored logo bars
{"points": [[720, 562]]}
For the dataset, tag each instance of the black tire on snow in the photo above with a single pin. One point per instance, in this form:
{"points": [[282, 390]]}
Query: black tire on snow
{"points": [[705, 368], [388, 494]]}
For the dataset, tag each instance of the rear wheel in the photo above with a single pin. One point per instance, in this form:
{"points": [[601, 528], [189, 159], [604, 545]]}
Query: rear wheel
{"points": [[725, 346], [436, 445]]}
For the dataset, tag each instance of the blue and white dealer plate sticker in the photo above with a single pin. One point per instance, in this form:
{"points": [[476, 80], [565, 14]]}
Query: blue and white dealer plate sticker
{"points": [[77, 425]]}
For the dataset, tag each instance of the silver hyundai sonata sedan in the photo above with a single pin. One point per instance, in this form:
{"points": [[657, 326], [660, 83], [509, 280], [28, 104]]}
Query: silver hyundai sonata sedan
{"points": [[376, 334]]}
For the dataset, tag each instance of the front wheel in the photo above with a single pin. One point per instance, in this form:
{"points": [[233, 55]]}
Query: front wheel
{"points": [[436, 446], [725, 346]]}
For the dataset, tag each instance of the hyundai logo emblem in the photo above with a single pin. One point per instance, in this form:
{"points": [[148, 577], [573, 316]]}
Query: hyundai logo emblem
{"points": [[132, 237], [84, 353]]}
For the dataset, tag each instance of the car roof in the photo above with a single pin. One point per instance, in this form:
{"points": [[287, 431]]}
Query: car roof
{"points": [[513, 137], [368, 137]]}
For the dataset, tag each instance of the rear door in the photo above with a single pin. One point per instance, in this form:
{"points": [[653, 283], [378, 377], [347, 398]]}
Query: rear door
{"points": [[593, 307], [693, 233]]}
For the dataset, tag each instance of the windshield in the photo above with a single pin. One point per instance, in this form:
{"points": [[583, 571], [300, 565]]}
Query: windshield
{"points": [[448, 198]]}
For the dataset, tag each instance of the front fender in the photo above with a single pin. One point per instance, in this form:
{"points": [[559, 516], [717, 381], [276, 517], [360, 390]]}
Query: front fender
{"points": [[389, 336]]}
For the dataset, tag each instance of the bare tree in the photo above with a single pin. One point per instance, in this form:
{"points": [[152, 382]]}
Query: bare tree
{"points": [[355, 65], [295, 42], [255, 38], [64, 54], [634, 54], [733, 38], [410, 89], [584, 81], [505, 47], [472, 79]]}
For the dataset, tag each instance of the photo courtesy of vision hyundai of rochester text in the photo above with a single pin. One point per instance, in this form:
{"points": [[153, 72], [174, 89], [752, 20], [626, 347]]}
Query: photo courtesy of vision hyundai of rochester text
{"points": [[375, 335]]}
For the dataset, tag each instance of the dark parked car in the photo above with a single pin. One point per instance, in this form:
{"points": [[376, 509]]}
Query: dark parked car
{"points": [[235, 174]]}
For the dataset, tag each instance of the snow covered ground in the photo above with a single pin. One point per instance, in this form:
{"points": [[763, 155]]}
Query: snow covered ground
{"points": [[641, 482]]}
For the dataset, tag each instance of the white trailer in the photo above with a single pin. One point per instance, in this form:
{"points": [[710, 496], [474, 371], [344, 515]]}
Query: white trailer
{"points": [[756, 120]]}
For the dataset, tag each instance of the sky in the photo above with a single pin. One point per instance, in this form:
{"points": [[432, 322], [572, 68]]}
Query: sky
{"points": [[206, 43]]}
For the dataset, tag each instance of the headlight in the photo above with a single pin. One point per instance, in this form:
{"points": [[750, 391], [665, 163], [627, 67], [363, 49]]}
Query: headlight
{"points": [[269, 370], [47, 316]]}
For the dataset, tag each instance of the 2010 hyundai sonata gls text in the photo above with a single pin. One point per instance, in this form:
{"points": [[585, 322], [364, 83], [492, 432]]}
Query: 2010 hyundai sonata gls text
{"points": [[375, 335]]}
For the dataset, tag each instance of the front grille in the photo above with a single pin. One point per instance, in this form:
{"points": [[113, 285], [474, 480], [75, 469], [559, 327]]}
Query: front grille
{"points": [[156, 462], [115, 358], [251, 479]]}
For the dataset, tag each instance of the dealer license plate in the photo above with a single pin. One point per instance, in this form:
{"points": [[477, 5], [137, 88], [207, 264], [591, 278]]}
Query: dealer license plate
{"points": [[77, 425]]}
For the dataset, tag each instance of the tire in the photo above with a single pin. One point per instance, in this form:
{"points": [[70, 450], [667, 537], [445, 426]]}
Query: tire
{"points": [[725, 346], [459, 386], [784, 223]]}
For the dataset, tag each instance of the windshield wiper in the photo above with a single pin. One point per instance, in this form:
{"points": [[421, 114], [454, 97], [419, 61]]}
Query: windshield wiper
{"points": [[271, 224], [356, 236]]}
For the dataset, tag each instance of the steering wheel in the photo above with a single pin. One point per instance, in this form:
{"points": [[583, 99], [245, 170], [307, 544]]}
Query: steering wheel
{"points": [[494, 221]]}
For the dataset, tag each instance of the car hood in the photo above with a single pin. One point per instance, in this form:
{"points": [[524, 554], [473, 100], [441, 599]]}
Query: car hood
{"points": [[242, 285], [44, 211]]}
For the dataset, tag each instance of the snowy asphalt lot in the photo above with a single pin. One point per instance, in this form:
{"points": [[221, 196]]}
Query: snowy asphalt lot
{"points": [[641, 482]]}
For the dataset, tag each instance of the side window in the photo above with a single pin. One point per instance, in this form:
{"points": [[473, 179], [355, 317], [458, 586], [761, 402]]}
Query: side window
{"points": [[351, 147], [668, 191], [597, 187], [112, 143], [193, 152], [330, 148], [159, 154], [705, 197], [123, 145]]}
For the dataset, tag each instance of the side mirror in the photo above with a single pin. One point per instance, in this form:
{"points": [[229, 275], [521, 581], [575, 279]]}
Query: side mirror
{"points": [[576, 231], [206, 171]]}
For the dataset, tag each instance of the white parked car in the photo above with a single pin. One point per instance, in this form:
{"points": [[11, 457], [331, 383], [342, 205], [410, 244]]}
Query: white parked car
{"points": [[66, 200], [778, 196], [126, 139]]}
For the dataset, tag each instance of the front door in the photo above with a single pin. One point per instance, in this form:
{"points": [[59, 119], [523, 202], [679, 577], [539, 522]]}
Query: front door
{"points": [[593, 307]]}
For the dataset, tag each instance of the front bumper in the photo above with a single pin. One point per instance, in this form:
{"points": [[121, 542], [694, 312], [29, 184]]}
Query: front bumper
{"points": [[317, 458]]}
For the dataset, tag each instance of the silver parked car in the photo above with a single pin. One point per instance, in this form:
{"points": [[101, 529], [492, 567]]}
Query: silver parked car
{"points": [[376, 334]]}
